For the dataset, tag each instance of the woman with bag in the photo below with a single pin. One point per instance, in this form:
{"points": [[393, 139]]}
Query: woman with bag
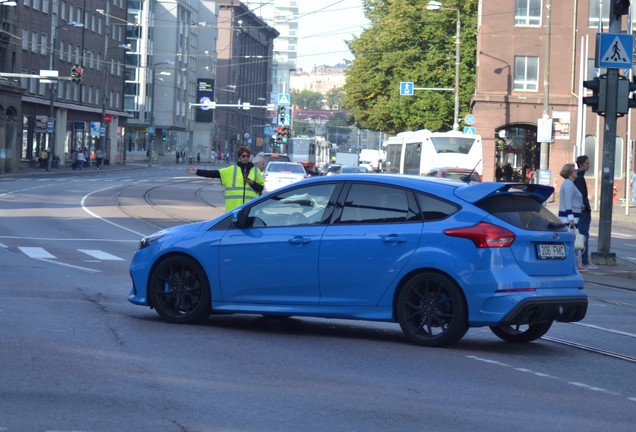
{"points": [[570, 200]]}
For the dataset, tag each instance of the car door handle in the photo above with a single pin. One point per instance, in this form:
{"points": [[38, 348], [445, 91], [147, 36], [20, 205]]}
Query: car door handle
{"points": [[394, 238], [298, 240]]}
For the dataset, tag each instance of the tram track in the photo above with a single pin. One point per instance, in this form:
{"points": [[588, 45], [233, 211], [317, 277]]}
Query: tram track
{"points": [[587, 348], [153, 209]]}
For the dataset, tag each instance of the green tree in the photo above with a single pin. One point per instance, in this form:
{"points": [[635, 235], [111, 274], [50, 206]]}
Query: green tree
{"points": [[334, 97], [407, 42], [307, 99]]}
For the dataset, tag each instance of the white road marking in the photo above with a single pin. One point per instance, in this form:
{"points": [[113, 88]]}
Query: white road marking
{"points": [[100, 255], [83, 201], [37, 253]]}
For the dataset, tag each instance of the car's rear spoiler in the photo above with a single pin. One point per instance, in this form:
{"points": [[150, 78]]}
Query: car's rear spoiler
{"points": [[479, 191]]}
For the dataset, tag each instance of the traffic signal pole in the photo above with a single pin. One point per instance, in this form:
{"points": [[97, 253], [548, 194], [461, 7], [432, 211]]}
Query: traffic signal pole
{"points": [[603, 256]]}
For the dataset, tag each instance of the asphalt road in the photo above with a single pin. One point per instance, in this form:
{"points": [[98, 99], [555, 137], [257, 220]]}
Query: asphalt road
{"points": [[77, 356]]}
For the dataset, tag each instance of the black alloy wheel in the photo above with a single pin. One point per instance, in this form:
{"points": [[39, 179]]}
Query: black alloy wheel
{"points": [[179, 290], [431, 310], [521, 333]]}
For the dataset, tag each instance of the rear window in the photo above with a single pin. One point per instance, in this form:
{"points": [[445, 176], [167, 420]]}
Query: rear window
{"points": [[285, 167], [523, 212], [458, 175]]}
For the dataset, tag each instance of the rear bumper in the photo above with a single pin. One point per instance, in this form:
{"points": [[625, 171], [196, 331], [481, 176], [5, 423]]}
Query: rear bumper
{"points": [[536, 310]]}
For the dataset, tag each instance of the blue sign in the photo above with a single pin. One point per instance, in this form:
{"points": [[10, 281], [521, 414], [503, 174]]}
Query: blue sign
{"points": [[406, 88], [469, 119], [614, 50], [284, 99], [469, 130]]}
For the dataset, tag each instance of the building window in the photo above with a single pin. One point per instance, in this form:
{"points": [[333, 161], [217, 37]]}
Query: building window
{"points": [[43, 44], [25, 39], [34, 41], [526, 73], [594, 13], [528, 13], [45, 6]]}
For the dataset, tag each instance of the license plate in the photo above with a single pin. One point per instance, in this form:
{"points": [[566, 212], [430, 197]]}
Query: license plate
{"points": [[551, 251]]}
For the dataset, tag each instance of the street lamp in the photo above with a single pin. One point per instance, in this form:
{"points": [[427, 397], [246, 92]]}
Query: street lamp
{"points": [[152, 112], [435, 5], [53, 87]]}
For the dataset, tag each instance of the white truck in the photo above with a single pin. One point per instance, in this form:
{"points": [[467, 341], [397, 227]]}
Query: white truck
{"points": [[345, 158], [371, 159]]}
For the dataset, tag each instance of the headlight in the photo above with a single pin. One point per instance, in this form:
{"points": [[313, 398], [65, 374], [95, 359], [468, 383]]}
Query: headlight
{"points": [[148, 240]]}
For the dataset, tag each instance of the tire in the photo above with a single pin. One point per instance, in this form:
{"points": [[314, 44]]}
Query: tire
{"points": [[431, 310], [521, 333], [179, 290]]}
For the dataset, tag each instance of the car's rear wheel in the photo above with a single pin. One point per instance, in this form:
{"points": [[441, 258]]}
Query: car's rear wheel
{"points": [[431, 310], [179, 290], [521, 333]]}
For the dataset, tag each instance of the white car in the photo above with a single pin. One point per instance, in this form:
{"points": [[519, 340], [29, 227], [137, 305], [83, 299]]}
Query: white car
{"points": [[278, 174]]}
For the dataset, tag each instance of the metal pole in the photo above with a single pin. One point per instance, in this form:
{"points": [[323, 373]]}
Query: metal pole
{"points": [[152, 116], [544, 160], [457, 64], [604, 256]]}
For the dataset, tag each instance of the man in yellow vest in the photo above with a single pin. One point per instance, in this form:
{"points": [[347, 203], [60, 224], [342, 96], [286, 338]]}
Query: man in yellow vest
{"points": [[242, 181]]}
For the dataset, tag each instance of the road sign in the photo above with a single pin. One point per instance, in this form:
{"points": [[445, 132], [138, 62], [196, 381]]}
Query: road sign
{"points": [[284, 99], [406, 88], [469, 119], [469, 130], [614, 50]]}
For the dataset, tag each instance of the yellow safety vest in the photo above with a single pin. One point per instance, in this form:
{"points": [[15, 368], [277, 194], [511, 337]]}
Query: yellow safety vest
{"points": [[237, 191]]}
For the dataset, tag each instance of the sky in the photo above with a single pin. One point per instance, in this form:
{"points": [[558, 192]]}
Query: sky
{"points": [[323, 27]]}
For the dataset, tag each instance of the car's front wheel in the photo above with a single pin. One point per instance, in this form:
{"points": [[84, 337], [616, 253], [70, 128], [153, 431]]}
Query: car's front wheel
{"points": [[431, 310], [521, 333], [179, 290]]}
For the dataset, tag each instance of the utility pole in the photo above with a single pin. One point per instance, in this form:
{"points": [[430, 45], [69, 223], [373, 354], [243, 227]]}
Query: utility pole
{"points": [[612, 52]]}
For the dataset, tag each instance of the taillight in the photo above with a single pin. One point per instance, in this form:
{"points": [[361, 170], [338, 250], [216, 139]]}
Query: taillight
{"points": [[484, 235]]}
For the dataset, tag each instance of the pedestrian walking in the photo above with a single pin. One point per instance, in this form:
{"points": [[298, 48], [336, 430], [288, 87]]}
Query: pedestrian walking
{"points": [[583, 165], [44, 158], [570, 199], [81, 158], [242, 181], [99, 157]]}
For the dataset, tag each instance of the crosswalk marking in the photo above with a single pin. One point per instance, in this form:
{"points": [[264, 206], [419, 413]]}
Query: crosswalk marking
{"points": [[36, 252], [41, 253], [100, 255]]}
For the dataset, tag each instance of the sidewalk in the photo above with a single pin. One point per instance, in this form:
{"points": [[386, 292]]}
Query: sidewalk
{"points": [[26, 170]]}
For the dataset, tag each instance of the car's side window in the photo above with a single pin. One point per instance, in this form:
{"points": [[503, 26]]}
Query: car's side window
{"points": [[434, 208], [367, 203], [301, 206]]}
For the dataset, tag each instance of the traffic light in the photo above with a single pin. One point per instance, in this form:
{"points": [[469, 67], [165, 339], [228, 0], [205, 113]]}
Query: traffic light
{"points": [[76, 74], [279, 136], [620, 7], [626, 96], [597, 101], [285, 134], [281, 115]]}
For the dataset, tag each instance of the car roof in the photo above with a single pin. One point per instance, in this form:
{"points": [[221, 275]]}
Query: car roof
{"points": [[472, 192]]}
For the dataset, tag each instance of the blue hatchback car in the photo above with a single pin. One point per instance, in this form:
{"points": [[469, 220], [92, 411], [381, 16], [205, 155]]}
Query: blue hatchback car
{"points": [[436, 256]]}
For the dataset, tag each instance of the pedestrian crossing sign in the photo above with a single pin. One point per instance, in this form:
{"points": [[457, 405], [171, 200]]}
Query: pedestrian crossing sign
{"points": [[614, 50], [284, 99]]}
